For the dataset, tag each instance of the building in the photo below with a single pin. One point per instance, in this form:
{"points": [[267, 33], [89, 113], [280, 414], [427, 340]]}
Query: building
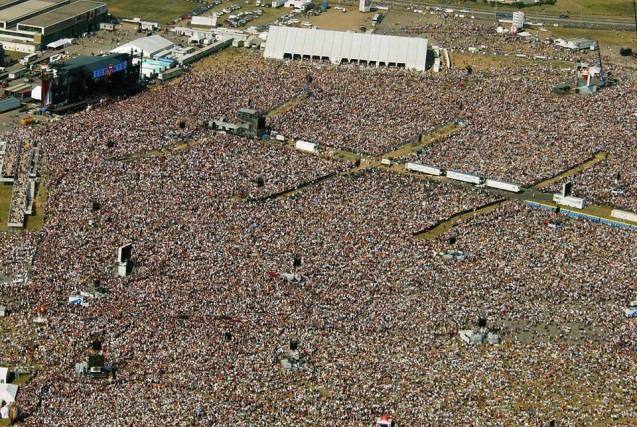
{"points": [[28, 25], [364, 6], [344, 47], [150, 46]]}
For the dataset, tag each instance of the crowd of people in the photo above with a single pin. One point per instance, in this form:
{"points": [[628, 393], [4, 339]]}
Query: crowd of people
{"points": [[198, 329], [18, 165]]}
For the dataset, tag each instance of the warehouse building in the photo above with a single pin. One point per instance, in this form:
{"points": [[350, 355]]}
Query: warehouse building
{"points": [[71, 20], [11, 16], [29, 25], [340, 47]]}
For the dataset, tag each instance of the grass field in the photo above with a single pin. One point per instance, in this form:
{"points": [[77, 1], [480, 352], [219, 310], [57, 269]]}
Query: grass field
{"points": [[334, 19], [618, 9], [152, 10], [33, 222], [604, 37], [5, 201]]}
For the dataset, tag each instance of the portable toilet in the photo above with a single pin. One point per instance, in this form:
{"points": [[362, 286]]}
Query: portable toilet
{"points": [[324, 6]]}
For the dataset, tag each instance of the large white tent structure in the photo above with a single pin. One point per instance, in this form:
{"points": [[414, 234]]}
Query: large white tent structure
{"points": [[339, 47], [150, 46]]}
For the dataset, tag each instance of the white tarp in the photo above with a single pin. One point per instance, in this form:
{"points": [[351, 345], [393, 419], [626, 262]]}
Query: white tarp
{"points": [[8, 392], [292, 278], [306, 146]]}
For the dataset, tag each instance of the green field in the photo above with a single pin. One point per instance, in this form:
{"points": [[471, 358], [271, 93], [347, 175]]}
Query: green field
{"points": [[604, 37], [160, 11], [5, 201], [616, 9]]}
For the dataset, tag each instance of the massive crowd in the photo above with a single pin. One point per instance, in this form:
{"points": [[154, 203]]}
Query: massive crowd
{"points": [[197, 330]]}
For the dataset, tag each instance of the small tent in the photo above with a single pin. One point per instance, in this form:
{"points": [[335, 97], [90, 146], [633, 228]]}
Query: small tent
{"points": [[8, 392], [384, 421]]}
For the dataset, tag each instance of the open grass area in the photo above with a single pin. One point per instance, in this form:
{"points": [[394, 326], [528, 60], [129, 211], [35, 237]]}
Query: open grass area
{"points": [[334, 19], [152, 10], [423, 142], [616, 9], [33, 222], [447, 225], [485, 62], [5, 201], [269, 14], [603, 37]]}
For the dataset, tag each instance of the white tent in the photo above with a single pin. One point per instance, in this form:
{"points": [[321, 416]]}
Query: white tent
{"points": [[372, 49], [150, 45], [204, 21], [4, 411], [292, 278], [8, 392], [60, 44], [4, 372], [197, 38]]}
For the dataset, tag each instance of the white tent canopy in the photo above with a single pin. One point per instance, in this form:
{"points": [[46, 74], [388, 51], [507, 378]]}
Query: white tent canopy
{"points": [[8, 392], [60, 44], [150, 45], [289, 42], [4, 372], [196, 37]]}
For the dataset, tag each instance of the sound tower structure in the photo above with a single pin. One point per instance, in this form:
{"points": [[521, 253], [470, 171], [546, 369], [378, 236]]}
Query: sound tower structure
{"points": [[296, 262], [482, 322], [567, 189], [228, 336], [294, 345], [254, 119], [124, 254]]}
